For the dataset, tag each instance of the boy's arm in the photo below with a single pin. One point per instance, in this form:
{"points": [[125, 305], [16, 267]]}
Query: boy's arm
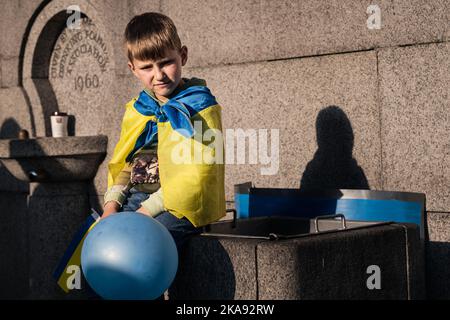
{"points": [[154, 205], [116, 194]]}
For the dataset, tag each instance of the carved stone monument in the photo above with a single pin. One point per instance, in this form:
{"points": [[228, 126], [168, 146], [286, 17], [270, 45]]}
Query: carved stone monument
{"points": [[80, 72], [68, 66]]}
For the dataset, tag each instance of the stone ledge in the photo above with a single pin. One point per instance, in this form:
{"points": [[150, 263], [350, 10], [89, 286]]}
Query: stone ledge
{"points": [[49, 146]]}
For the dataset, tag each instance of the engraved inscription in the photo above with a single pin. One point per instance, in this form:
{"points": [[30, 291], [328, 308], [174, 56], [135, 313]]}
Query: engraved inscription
{"points": [[81, 71], [72, 46]]}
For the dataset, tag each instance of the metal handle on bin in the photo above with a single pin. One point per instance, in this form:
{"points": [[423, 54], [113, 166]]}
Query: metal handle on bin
{"points": [[234, 216], [207, 228], [333, 216]]}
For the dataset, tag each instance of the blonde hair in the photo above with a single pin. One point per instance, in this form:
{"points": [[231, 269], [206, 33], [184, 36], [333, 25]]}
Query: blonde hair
{"points": [[149, 35]]}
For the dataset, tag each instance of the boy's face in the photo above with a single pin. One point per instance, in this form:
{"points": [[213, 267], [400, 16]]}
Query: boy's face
{"points": [[161, 76]]}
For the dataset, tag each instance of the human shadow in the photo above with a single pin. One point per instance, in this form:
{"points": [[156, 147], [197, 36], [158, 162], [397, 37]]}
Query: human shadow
{"points": [[9, 129], [205, 271], [333, 165]]}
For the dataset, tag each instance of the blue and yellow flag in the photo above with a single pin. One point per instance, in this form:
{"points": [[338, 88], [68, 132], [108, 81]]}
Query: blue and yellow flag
{"points": [[72, 256], [192, 189]]}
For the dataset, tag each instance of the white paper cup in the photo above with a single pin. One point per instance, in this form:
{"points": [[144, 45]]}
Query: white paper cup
{"points": [[59, 125]]}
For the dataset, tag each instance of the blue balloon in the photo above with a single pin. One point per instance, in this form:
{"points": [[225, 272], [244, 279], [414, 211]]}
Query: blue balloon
{"points": [[129, 255]]}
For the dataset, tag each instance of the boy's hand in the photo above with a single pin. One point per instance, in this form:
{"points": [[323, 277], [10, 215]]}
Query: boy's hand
{"points": [[144, 211], [110, 208]]}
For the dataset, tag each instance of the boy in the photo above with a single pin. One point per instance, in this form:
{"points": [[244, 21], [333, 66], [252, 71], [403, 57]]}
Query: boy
{"points": [[182, 196]]}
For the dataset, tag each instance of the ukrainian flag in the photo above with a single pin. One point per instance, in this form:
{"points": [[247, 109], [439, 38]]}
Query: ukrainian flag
{"points": [[72, 256], [194, 190]]}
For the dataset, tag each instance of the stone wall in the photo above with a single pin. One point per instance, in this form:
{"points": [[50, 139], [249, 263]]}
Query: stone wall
{"points": [[355, 107]]}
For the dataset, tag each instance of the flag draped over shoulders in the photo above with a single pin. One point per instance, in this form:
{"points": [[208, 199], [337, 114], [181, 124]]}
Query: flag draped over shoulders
{"points": [[194, 190]]}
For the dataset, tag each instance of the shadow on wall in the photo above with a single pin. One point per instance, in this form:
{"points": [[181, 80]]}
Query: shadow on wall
{"points": [[9, 129], [437, 271], [41, 63], [217, 279], [13, 273], [48, 231], [333, 165], [41, 225]]}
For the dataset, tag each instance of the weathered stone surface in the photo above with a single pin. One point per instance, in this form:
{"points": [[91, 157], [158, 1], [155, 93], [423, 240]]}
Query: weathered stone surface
{"points": [[49, 146], [218, 32], [115, 16], [13, 244], [54, 221], [14, 116], [439, 226], [412, 22], [76, 75], [334, 266], [438, 273], [415, 119], [15, 113], [233, 31], [82, 80], [228, 270], [138, 7], [9, 70], [318, 266], [330, 101], [55, 189], [438, 255], [53, 159], [10, 183], [96, 201], [14, 18]]}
